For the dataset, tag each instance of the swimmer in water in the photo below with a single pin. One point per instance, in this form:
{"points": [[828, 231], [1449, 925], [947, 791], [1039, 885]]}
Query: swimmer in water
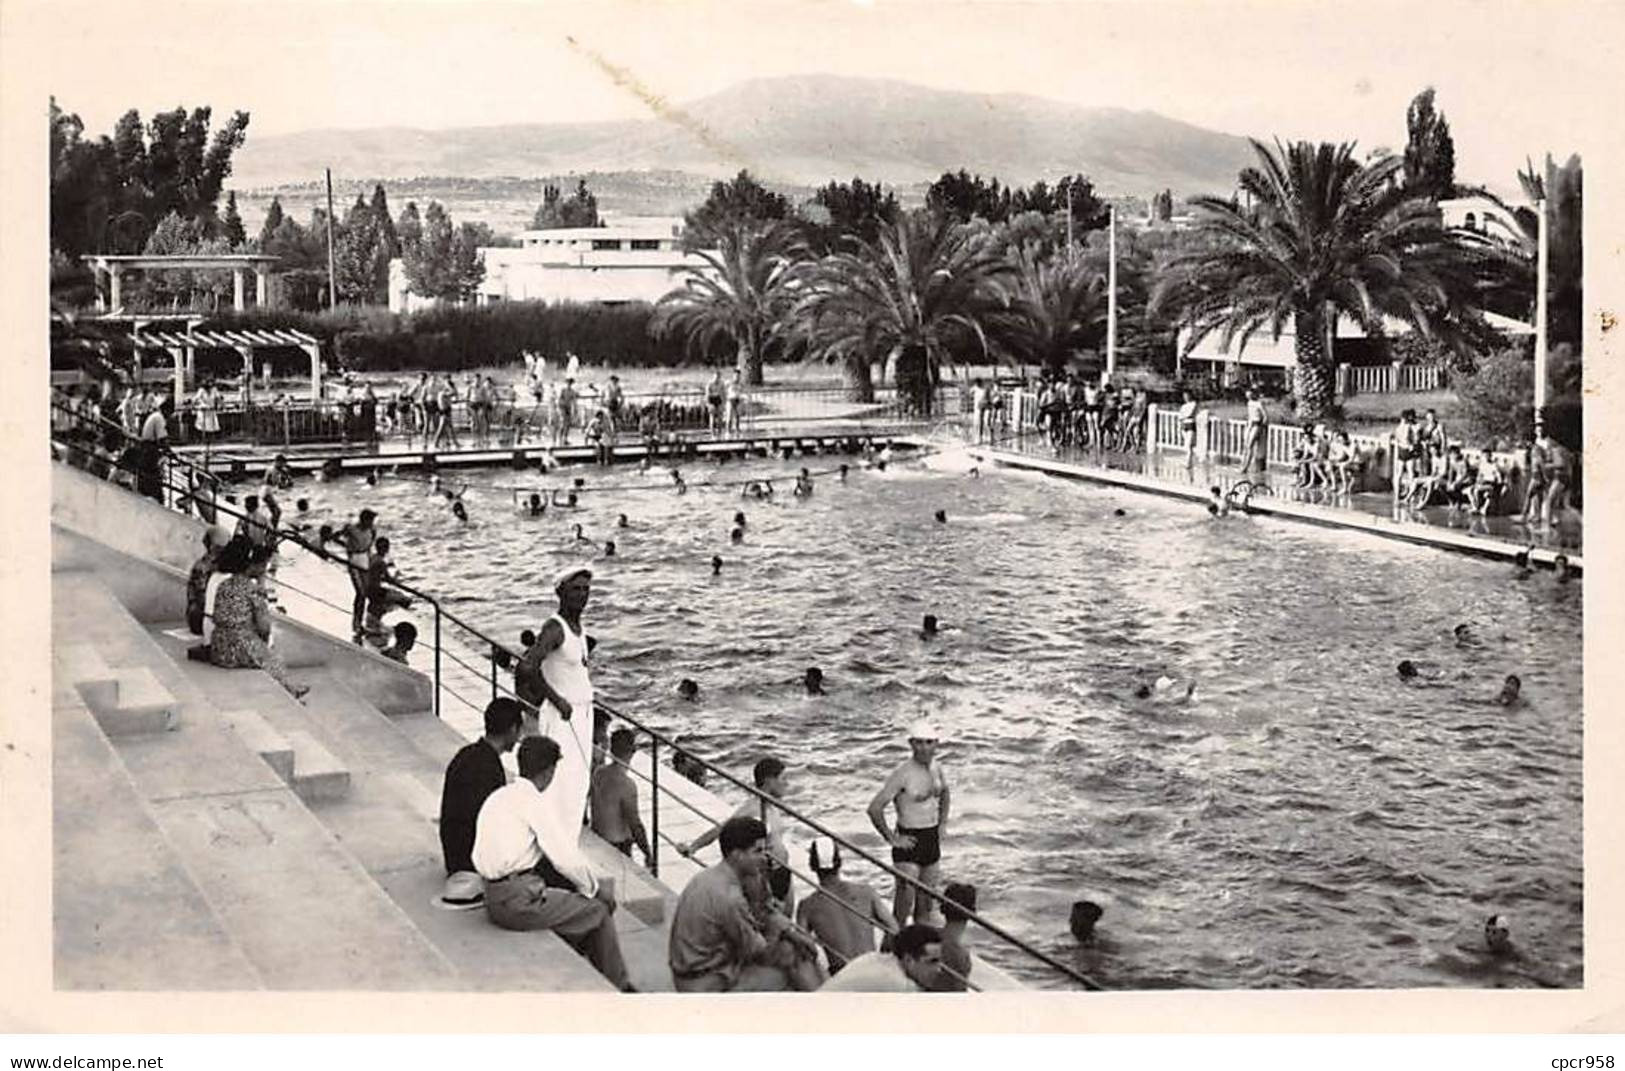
{"points": [[975, 472], [1560, 565], [609, 548], [535, 506], [1085, 914], [804, 484], [739, 518], [569, 501], [1407, 670], [941, 516], [1119, 513], [813, 681], [622, 522], [928, 627], [578, 537], [677, 482], [844, 468], [1511, 689], [458, 511], [1498, 935], [1218, 502], [1463, 635], [1520, 565], [688, 689], [736, 536], [716, 565]]}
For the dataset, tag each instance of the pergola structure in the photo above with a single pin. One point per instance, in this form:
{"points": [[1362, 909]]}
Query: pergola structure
{"points": [[113, 265], [182, 348]]}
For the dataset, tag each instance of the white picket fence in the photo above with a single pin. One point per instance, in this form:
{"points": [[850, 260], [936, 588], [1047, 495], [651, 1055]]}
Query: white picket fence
{"points": [[1389, 378]]}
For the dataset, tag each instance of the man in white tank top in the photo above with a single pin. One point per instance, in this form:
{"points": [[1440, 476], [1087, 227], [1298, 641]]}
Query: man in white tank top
{"points": [[552, 681]]}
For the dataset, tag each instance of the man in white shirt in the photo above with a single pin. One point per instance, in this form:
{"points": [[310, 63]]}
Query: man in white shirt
{"points": [[535, 875], [914, 964]]}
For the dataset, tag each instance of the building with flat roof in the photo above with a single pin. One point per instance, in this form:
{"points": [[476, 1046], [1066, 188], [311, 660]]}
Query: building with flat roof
{"points": [[629, 259]]}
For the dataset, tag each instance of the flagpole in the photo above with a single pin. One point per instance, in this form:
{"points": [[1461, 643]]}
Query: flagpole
{"points": [[332, 278], [1541, 256], [1111, 292]]}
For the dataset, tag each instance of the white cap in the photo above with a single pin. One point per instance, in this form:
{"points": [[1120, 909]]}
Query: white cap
{"points": [[923, 729], [825, 853], [563, 576]]}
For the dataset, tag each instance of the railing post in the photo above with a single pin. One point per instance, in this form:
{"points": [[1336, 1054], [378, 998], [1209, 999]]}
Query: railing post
{"points": [[493, 672], [654, 805], [436, 659]]}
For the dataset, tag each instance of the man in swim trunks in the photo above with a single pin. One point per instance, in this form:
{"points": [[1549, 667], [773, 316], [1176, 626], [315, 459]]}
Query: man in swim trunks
{"points": [[614, 799], [357, 539], [918, 788]]}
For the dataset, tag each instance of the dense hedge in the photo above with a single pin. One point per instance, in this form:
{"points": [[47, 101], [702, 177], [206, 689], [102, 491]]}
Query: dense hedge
{"points": [[456, 338]]}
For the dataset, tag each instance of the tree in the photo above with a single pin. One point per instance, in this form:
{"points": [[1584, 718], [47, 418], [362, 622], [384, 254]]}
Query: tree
{"points": [[555, 212], [1325, 235], [1058, 305], [232, 224], [361, 257], [920, 295], [113, 192], [1162, 206], [273, 220], [959, 197], [442, 261], [740, 202], [856, 209], [410, 229], [739, 294], [1430, 153], [386, 223]]}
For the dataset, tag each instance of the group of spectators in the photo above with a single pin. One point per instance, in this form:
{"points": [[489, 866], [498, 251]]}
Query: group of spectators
{"points": [[1075, 410], [1431, 468]]}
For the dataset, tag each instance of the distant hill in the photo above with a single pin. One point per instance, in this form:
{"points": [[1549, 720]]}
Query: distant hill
{"points": [[800, 131]]}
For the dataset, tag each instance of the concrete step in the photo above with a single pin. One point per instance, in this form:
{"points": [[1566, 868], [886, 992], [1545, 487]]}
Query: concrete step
{"points": [[126, 914], [644, 948], [304, 912], [386, 820], [84, 668], [635, 890], [263, 740], [144, 706], [317, 775]]}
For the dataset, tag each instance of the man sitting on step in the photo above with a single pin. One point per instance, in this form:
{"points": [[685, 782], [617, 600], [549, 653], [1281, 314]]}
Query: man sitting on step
{"points": [[719, 945], [535, 875], [474, 773]]}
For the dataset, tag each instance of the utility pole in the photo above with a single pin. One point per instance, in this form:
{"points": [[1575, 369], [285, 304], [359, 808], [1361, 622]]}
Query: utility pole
{"points": [[1541, 255], [1111, 291], [332, 277], [1071, 250]]}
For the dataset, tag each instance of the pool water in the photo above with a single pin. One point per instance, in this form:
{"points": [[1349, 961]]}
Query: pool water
{"points": [[1305, 820]]}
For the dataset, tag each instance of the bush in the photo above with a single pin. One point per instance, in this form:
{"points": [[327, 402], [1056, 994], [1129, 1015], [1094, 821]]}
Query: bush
{"points": [[1497, 400]]}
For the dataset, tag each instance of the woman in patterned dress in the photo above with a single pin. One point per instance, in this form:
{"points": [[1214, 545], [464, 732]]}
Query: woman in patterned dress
{"points": [[242, 618]]}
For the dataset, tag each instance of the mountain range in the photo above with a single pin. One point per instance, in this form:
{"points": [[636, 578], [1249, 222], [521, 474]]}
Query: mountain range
{"points": [[802, 130]]}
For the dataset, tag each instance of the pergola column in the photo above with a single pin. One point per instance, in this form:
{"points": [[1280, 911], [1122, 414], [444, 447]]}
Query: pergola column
{"points": [[247, 354], [314, 349], [262, 287], [175, 352], [115, 295], [237, 287]]}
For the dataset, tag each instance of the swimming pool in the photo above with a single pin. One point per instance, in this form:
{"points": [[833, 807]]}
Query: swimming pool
{"points": [[1307, 820]]}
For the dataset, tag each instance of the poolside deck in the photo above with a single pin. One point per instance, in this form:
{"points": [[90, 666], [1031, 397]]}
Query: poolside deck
{"points": [[1165, 473]]}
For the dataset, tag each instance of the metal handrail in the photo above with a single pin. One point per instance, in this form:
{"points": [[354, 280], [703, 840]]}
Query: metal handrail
{"points": [[658, 738], [281, 534]]}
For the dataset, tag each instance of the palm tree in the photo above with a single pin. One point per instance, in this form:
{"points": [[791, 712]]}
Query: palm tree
{"points": [[920, 291], [738, 293], [1325, 235], [1058, 306]]}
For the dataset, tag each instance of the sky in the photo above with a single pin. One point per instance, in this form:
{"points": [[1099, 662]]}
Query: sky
{"points": [[1514, 79]]}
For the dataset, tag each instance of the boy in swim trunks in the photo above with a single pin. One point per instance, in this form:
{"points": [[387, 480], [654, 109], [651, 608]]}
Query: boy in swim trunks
{"points": [[613, 796], [919, 790]]}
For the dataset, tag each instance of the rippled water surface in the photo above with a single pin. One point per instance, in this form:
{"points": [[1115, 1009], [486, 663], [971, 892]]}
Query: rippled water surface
{"points": [[1307, 820]]}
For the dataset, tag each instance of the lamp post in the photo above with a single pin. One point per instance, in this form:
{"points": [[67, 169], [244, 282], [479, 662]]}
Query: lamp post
{"points": [[1111, 292], [1540, 318]]}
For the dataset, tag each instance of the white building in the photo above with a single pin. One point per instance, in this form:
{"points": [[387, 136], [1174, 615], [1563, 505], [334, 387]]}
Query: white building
{"points": [[628, 259], [1477, 213]]}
